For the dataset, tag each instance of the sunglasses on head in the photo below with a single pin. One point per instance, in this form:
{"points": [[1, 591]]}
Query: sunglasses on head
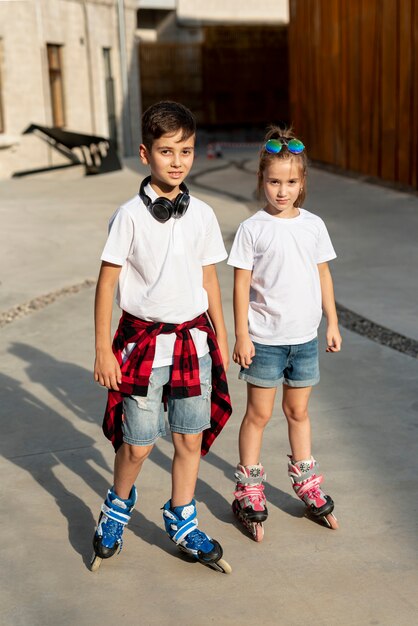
{"points": [[274, 146]]}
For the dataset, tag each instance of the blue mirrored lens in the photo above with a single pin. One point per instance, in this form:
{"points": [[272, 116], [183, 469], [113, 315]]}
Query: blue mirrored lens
{"points": [[295, 146], [273, 146]]}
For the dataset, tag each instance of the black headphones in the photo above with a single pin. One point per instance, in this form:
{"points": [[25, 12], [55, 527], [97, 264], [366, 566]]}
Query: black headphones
{"points": [[162, 208]]}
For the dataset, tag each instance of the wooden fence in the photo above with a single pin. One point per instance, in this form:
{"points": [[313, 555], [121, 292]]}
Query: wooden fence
{"points": [[354, 84], [237, 76]]}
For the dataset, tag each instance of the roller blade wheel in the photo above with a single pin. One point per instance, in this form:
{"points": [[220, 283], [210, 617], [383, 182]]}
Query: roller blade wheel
{"points": [[95, 562], [255, 529], [219, 565], [329, 520]]}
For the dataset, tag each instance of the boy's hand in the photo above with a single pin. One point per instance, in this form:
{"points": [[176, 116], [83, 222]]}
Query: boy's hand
{"points": [[107, 371], [334, 340], [224, 350], [243, 351]]}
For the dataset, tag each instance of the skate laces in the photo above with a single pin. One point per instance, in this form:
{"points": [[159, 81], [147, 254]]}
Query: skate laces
{"points": [[254, 493], [112, 528], [196, 538], [309, 487], [313, 493]]}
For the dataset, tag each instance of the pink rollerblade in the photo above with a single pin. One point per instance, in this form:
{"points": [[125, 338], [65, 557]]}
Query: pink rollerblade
{"points": [[306, 484], [250, 502]]}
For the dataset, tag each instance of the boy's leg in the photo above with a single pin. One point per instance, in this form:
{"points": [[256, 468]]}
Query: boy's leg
{"points": [[260, 402], [142, 425], [188, 418], [179, 513], [295, 407], [185, 467], [128, 464]]}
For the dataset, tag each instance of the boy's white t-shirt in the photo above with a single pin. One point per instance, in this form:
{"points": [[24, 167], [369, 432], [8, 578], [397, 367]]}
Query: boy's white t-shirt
{"points": [[162, 266], [283, 254]]}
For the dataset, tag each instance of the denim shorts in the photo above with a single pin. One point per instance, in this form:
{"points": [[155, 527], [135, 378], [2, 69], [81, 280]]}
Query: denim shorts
{"points": [[296, 366], [143, 417]]}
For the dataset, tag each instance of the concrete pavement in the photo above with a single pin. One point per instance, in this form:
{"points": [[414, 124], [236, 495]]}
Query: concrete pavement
{"points": [[56, 464]]}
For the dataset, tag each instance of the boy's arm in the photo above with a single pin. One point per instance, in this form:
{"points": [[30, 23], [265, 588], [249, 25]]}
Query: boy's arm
{"points": [[106, 368], [328, 305], [244, 347], [215, 312]]}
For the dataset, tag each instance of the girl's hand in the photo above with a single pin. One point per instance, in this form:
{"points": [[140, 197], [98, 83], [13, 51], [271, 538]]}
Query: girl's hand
{"points": [[243, 352], [107, 371], [334, 340]]}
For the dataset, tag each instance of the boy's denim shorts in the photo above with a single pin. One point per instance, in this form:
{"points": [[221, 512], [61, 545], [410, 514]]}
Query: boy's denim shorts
{"points": [[143, 417], [296, 366]]}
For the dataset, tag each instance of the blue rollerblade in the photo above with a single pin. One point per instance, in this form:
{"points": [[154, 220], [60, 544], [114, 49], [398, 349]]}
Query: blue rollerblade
{"points": [[114, 516], [181, 526]]}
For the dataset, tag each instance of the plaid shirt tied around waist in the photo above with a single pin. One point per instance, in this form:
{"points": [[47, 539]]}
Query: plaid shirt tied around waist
{"points": [[184, 382]]}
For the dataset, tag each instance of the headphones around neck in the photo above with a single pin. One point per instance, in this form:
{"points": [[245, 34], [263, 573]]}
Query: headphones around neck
{"points": [[162, 208]]}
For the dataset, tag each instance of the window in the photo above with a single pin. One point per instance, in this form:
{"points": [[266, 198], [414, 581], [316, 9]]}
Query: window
{"points": [[110, 94], [56, 84], [1, 88]]}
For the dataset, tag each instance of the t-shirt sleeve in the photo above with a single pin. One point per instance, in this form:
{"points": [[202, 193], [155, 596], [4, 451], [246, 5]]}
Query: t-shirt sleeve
{"points": [[120, 238], [213, 249], [242, 251], [325, 250]]}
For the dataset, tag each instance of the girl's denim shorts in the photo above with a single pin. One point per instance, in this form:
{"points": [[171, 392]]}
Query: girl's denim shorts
{"points": [[143, 417], [296, 366]]}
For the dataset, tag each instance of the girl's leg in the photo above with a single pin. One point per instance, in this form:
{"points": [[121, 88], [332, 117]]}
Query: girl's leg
{"points": [[128, 464], [260, 402], [185, 467], [295, 407]]}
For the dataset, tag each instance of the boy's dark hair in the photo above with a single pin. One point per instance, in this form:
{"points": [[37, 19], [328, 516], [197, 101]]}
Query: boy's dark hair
{"points": [[166, 117]]}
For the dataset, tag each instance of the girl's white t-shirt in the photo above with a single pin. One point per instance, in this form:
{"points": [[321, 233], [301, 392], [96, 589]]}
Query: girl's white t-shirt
{"points": [[162, 266], [283, 255]]}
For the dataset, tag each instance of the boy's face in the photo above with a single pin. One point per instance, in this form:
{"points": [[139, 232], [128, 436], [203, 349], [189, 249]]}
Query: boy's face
{"points": [[170, 161]]}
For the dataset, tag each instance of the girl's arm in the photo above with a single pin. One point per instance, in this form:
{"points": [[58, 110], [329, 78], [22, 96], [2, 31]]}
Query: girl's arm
{"points": [[244, 347], [106, 368], [328, 305], [215, 312]]}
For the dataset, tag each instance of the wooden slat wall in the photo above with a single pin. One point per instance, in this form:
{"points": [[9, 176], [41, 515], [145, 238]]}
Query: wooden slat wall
{"points": [[354, 84], [245, 70], [171, 71], [237, 76]]}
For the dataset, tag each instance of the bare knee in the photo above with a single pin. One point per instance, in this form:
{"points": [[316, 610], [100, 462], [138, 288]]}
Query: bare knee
{"points": [[187, 443], [258, 419], [295, 413], [135, 455]]}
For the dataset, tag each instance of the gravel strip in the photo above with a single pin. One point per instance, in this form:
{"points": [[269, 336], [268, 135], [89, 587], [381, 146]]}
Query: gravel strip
{"points": [[21, 310], [375, 332], [350, 320]]}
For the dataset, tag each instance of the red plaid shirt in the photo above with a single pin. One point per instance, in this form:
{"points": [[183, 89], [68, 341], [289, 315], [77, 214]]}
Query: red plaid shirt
{"points": [[185, 380]]}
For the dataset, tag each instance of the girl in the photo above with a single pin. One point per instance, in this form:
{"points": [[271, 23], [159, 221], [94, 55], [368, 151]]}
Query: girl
{"points": [[280, 256]]}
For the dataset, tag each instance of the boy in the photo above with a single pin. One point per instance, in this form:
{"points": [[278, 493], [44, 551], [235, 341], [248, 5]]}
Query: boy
{"points": [[162, 248]]}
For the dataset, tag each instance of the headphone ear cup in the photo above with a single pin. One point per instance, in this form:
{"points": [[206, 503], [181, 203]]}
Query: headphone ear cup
{"points": [[181, 204], [162, 209]]}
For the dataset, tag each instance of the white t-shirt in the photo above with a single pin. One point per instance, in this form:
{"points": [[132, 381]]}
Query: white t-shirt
{"points": [[283, 254], [162, 277]]}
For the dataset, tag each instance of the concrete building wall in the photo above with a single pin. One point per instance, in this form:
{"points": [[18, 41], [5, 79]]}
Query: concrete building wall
{"points": [[233, 11], [83, 29]]}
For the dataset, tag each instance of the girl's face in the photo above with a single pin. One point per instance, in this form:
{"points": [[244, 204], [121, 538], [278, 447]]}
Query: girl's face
{"points": [[282, 183]]}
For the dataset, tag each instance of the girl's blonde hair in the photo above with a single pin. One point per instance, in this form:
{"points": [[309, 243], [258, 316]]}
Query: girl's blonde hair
{"points": [[275, 132]]}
